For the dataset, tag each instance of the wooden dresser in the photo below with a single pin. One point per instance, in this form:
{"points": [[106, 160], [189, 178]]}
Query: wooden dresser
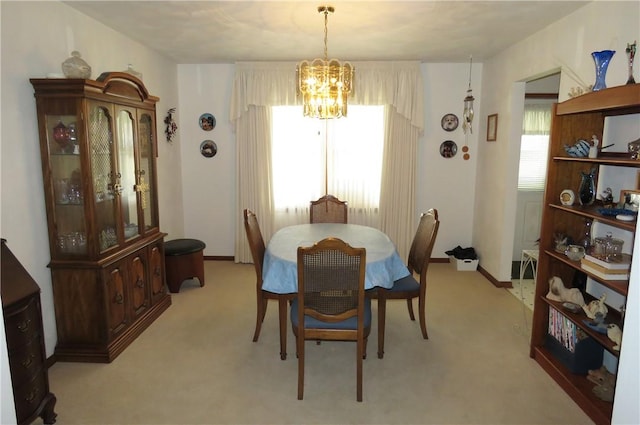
{"points": [[25, 342]]}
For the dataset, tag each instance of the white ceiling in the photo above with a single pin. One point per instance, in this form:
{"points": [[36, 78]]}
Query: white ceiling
{"points": [[230, 31]]}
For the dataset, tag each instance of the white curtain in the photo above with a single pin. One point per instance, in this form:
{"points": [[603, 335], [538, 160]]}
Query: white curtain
{"points": [[536, 119], [260, 85]]}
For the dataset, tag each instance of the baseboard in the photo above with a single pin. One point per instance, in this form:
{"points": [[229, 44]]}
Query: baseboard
{"points": [[493, 280], [218, 257], [440, 260]]}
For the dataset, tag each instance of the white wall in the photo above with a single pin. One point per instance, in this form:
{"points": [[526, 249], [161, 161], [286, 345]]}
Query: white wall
{"points": [[447, 184], [36, 37], [208, 184]]}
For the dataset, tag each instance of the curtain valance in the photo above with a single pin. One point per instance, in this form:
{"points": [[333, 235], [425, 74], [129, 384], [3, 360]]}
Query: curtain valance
{"points": [[375, 83]]}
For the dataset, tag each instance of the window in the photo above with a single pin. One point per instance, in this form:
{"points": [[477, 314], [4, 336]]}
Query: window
{"points": [[534, 147], [533, 162], [311, 157]]}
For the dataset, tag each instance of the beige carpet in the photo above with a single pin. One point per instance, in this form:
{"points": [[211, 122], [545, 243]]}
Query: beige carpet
{"points": [[197, 365]]}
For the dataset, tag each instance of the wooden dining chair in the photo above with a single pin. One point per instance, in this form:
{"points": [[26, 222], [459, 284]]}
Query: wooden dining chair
{"points": [[408, 287], [256, 243], [328, 209], [331, 304]]}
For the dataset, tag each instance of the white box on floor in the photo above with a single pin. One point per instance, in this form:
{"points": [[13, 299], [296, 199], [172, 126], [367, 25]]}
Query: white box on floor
{"points": [[463, 265]]}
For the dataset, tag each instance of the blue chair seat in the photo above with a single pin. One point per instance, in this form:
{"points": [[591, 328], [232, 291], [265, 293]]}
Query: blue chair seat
{"points": [[406, 284], [351, 323]]}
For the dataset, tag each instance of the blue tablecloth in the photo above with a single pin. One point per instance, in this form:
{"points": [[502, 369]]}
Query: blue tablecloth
{"points": [[280, 269]]}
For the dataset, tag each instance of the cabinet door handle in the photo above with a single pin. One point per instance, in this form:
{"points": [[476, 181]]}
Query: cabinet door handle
{"points": [[26, 363], [24, 325], [140, 283], [119, 299], [157, 271]]}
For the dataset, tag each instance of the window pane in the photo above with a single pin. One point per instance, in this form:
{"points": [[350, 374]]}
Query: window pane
{"points": [[353, 157], [356, 164], [533, 162], [297, 158]]}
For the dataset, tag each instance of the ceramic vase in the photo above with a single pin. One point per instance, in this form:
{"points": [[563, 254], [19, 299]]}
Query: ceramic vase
{"points": [[76, 67], [601, 60], [587, 191]]}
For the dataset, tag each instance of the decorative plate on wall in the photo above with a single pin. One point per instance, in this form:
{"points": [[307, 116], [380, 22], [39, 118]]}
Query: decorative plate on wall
{"points": [[208, 148], [207, 122], [449, 122], [448, 149]]}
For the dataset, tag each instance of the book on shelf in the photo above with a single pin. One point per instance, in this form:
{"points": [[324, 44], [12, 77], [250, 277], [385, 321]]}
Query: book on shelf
{"points": [[602, 269], [562, 329], [622, 262], [606, 276]]}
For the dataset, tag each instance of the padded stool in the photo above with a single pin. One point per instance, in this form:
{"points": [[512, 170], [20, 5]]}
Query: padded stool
{"points": [[183, 260]]}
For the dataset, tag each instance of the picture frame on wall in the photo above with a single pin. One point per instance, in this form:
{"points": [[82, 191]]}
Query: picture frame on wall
{"points": [[492, 127]]}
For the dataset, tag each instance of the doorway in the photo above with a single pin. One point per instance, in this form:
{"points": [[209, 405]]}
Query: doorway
{"points": [[540, 94]]}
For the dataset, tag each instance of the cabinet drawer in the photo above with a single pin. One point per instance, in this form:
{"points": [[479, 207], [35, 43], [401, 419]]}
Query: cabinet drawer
{"points": [[22, 323], [26, 362], [29, 395]]}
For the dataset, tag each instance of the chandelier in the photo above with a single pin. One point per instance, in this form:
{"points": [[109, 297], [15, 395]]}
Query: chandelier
{"points": [[324, 84], [467, 115]]}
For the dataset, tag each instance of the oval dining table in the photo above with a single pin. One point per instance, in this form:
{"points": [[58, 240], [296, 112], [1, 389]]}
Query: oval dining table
{"points": [[280, 269]]}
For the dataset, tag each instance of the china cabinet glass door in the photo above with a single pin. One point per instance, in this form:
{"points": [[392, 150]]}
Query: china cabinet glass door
{"points": [[68, 193], [127, 185], [146, 178], [103, 173]]}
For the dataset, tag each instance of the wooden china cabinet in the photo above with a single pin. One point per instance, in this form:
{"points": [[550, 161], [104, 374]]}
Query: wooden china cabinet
{"points": [[612, 116], [97, 142]]}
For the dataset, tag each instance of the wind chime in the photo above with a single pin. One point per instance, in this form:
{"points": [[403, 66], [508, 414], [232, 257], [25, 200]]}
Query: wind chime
{"points": [[467, 115]]}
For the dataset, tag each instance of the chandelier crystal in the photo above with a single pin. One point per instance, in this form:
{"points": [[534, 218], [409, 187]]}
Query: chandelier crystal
{"points": [[325, 84], [467, 115]]}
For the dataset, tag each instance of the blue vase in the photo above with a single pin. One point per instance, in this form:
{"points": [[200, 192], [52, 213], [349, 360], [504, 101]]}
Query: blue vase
{"points": [[601, 60]]}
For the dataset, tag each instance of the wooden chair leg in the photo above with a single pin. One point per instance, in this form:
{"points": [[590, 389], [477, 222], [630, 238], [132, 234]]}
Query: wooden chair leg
{"points": [[300, 350], [360, 352], [261, 308], [282, 313], [382, 312], [423, 320], [364, 354], [410, 308]]}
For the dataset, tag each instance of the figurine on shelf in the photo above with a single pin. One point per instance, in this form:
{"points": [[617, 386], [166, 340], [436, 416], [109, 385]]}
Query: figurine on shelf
{"points": [[558, 292], [593, 150], [562, 241], [601, 376], [615, 334], [607, 197], [631, 52], [595, 308], [605, 382]]}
